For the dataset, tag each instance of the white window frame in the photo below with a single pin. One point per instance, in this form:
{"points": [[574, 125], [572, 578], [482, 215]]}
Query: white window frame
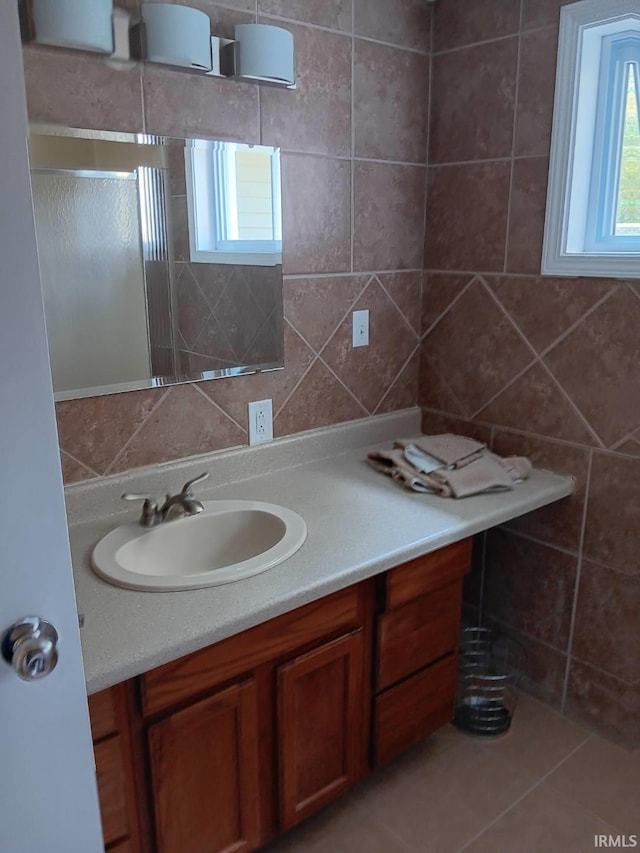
{"points": [[571, 246], [210, 177]]}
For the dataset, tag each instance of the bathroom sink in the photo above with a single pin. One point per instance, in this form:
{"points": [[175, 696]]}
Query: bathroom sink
{"points": [[228, 541]]}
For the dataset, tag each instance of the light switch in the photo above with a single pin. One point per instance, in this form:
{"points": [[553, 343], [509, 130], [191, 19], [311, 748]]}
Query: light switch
{"points": [[360, 328]]}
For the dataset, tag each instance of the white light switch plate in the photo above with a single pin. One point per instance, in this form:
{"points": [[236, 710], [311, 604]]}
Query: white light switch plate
{"points": [[260, 421], [360, 328]]}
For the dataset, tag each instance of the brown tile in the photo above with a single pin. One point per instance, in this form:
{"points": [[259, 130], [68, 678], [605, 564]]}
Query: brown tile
{"points": [[77, 90], [212, 280], [535, 403], [468, 21], [315, 306], [389, 216], [73, 471], [536, 86], [184, 424], [607, 629], [188, 105], [316, 117], [478, 123], [526, 221], [612, 512], [368, 372], [604, 779], [403, 393], [544, 671], [541, 13], [435, 423], [433, 391], [467, 217], [405, 288], [606, 704], [318, 401], [631, 447], [334, 14], [446, 798], [559, 523], [530, 586], [316, 215], [544, 308], [232, 395], [214, 342], [193, 309], [390, 115], [475, 348], [608, 393], [438, 292], [93, 430], [543, 820], [403, 22]]}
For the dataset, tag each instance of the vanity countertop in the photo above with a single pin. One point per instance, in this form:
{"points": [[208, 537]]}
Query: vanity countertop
{"points": [[359, 522]]}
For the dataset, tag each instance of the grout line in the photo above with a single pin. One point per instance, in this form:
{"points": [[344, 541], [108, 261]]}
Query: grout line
{"points": [[353, 134], [346, 388], [614, 289], [529, 791], [573, 406], [482, 162], [508, 316], [155, 408], [393, 384], [78, 462], [602, 671], [197, 387], [504, 388], [348, 274], [442, 314], [402, 313], [482, 43], [632, 436], [561, 549], [463, 412], [513, 141]]}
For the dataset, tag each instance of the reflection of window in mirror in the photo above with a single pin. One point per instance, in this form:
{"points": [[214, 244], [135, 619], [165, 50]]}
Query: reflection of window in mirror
{"points": [[593, 205], [234, 203]]}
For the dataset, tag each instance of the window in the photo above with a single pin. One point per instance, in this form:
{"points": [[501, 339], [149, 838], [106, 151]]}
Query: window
{"points": [[593, 205], [234, 203]]}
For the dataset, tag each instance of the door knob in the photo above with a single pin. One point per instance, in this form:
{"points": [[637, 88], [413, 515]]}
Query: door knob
{"points": [[29, 646]]}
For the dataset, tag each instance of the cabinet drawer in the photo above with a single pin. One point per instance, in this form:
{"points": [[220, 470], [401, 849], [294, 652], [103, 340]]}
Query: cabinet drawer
{"points": [[424, 574], [102, 711], [112, 789], [194, 674], [418, 633], [405, 714]]}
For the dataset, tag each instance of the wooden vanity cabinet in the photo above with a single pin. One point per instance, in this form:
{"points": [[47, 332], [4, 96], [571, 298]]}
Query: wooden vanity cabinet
{"points": [[242, 740], [417, 633]]}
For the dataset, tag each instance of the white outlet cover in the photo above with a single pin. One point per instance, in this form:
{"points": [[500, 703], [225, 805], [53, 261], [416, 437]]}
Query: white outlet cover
{"points": [[260, 419], [360, 328]]}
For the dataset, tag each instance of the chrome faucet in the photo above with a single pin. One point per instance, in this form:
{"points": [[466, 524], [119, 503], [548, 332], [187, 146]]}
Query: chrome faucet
{"points": [[175, 506]]}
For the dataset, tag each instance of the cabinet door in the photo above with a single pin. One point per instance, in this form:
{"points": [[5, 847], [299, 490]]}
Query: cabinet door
{"points": [[204, 768], [320, 719]]}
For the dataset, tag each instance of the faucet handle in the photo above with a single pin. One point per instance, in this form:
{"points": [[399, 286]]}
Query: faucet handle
{"points": [[186, 489], [150, 513]]}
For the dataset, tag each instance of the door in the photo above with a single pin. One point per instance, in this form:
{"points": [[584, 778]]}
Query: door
{"points": [[48, 797], [205, 774], [320, 720]]}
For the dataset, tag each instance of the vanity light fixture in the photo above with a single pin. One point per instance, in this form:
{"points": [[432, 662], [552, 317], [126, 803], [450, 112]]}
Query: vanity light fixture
{"points": [[260, 54], [75, 24], [176, 35]]}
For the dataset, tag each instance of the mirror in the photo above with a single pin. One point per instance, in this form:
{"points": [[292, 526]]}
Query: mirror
{"points": [[160, 259]]}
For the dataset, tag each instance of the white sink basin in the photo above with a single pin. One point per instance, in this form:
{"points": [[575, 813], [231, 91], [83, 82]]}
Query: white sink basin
{"points": [[228, 541]]}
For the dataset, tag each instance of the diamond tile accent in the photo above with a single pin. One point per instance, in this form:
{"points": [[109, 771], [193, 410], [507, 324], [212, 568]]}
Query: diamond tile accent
{"points": [[315, 306], [598, 365], [403, 393], [405, 288], [368, 372], [476, 349]]}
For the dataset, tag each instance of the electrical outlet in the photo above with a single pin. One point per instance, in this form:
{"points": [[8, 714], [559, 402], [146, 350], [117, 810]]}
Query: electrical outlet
{"points": [[260, 421], [360, 328]]}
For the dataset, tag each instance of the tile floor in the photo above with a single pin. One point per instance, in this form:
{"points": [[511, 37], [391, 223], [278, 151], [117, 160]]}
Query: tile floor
{"points": [[548, 786]]}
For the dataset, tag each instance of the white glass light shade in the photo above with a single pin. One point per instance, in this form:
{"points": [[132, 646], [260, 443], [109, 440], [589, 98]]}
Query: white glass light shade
{"points": [[74, 23], [177, 35], [265, 53]]}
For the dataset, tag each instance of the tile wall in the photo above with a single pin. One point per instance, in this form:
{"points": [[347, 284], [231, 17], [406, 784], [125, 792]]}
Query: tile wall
{"points": [[353, 137], [545, 367]]}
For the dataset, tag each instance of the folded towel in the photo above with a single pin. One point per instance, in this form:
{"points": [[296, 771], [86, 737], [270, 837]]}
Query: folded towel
{"points": [[477, 471]]}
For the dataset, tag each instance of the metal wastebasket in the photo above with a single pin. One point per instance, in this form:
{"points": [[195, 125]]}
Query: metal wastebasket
{"points": [[489, 669]]}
